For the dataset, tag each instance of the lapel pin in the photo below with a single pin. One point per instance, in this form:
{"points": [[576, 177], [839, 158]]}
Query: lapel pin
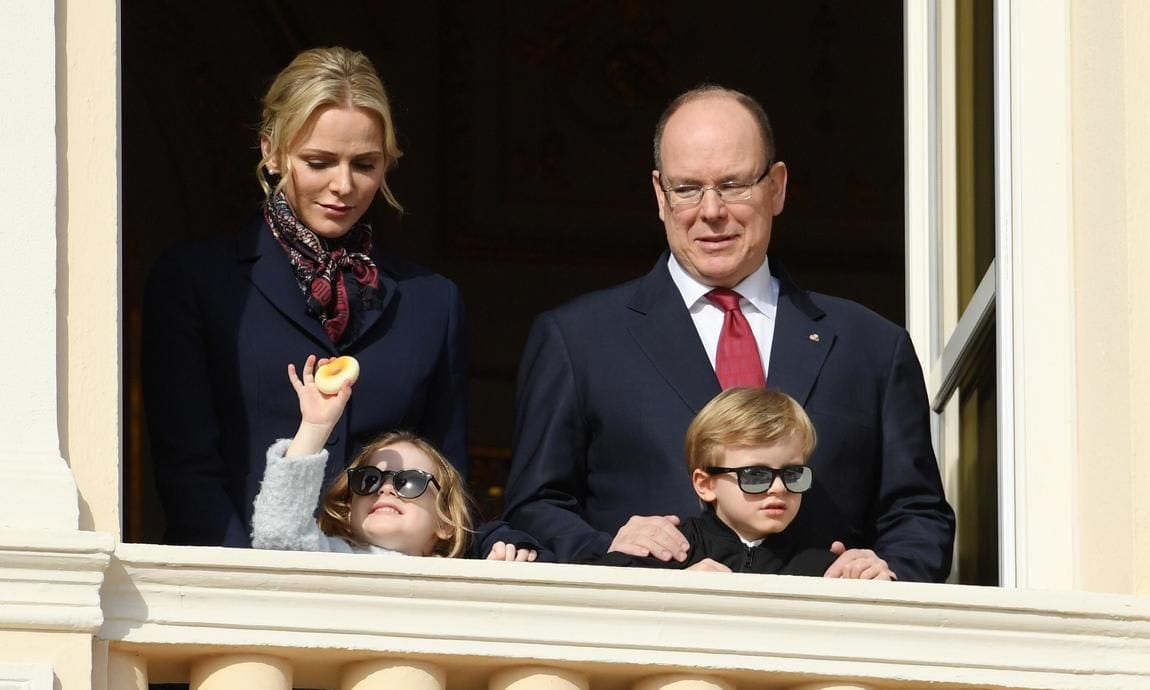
{"points": [[814, 337]]}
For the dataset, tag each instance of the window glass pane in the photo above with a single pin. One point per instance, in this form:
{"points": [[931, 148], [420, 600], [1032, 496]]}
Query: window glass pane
{"points": [[971, 466], [974, 143]]}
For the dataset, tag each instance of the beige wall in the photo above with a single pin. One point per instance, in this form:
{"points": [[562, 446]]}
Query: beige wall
{"points": [[1111, 134], [89, 305], [1137, 166], [69, 655]]}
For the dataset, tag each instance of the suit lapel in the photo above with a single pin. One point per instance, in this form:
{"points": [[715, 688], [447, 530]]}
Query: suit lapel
{"points": [[272, 276], [388, 289], [663, 329], [802, 341]]}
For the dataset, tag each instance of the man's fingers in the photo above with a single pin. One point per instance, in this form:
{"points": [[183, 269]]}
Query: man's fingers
{"points": [[654, 535], [875, 571], [842, 563], [836, 568], [838, 548]]}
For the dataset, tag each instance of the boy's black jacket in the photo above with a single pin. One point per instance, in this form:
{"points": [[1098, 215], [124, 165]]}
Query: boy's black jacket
{"points": [[710, 538]]}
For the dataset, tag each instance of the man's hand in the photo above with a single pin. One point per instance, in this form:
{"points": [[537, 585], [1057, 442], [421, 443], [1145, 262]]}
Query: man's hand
{"points": [[501, 551], [858, 564], [710, 566], [652, 535]]}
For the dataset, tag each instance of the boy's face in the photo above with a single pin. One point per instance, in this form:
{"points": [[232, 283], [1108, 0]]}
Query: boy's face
{"points": [[752, 516]]}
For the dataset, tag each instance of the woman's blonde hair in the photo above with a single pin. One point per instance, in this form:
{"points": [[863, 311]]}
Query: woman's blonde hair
{"points": [[452, 505], [316, 78], [741, 417]]}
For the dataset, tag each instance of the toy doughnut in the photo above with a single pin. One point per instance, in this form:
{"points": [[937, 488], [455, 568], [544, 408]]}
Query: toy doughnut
{"points": [[330, 377]]}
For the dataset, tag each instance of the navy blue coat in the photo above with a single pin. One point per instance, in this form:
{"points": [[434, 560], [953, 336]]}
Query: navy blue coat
{"points": [[710, 537], [610, 381], [222, 320]]}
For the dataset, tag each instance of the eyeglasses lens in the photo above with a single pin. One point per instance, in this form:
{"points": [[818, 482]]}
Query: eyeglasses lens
{"points": [[368, 480], [364, 481], [758, 480], [410, 483], [797, 479]]}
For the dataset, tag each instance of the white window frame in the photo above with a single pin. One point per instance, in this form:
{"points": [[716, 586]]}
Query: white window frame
{"points": [[944, 350]]}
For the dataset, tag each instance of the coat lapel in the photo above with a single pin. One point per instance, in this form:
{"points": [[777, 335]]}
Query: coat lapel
{"points": [[801, 342], [388, 289], [663, 329], [272, 276]]}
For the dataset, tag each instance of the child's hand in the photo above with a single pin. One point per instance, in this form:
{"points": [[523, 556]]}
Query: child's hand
{"points": [[858, 564], [709, 565], [318, 412], [507, 552], [316, 407]]}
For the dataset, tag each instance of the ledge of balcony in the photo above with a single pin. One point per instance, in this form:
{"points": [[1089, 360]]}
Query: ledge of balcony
{"points": [[175, 603], [50, 579]]}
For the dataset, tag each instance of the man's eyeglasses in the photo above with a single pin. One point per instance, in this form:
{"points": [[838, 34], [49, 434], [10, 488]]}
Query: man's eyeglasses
{"points": [[692, 194], [367, 480], [757, 479]]}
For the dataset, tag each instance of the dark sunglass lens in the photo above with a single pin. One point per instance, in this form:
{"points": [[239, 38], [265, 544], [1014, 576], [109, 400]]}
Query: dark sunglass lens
{"points": [[756, 480], [797, 479], [364, 481], [410, 483]]}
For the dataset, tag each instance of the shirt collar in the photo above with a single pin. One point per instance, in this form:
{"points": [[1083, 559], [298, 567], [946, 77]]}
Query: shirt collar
{"points": [[760, 288]]}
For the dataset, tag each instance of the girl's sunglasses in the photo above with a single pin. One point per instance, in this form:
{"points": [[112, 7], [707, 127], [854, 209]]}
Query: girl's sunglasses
{"points": [[757, 479], [367, 480]]}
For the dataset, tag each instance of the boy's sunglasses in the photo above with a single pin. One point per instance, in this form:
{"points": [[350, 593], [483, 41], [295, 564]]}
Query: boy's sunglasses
{"points": [[367, 480], [757, 479]]}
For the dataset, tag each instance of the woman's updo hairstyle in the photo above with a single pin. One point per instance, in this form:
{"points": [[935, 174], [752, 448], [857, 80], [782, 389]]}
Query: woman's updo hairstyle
{"points": [[315, 78]]}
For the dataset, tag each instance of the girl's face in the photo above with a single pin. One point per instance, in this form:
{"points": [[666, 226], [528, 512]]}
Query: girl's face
{"points": [[336, 169], [385, 519]]}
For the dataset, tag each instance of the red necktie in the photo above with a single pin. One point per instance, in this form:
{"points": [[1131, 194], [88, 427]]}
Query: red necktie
{"points": [[737, 362]]}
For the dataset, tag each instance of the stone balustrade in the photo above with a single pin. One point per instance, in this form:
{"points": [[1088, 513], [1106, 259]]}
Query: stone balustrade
{"points": [[228, 618]]}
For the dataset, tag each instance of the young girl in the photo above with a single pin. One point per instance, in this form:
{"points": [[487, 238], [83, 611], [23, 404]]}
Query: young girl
{"points": [[400, 496]]}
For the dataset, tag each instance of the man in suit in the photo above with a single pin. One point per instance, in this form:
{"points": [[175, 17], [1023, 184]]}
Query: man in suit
{"points": [[610, 381]]}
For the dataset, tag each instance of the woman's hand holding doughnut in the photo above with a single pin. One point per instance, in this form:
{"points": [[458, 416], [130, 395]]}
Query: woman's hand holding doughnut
{"points": [[330, 376]]}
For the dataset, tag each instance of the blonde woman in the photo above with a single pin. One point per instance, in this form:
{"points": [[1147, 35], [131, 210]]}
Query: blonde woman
{"points": [[220, 317]]}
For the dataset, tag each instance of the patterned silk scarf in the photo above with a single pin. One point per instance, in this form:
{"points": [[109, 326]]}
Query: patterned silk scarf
{"points": [[320, 270]]}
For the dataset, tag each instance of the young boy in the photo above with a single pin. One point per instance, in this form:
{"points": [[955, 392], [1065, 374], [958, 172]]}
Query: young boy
{"points": [[746, 452]]}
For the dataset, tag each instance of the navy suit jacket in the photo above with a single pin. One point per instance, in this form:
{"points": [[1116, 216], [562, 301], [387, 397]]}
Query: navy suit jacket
{"points": [[610, 381], [222, 320]]}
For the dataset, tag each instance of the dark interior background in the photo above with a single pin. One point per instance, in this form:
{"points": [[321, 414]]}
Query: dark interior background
{"points": [[527, 132]]}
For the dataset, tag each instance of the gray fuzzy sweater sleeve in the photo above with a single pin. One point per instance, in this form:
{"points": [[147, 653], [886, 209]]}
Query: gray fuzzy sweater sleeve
{"points": [[284, 508]]}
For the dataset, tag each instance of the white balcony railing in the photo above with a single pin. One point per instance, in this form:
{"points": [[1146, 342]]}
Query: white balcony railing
{"points": [[174, 614]]}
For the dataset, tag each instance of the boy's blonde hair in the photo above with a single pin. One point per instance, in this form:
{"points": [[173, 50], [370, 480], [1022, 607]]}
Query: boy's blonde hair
{"points": [[741, 417], [452, 505], [316, 78]]}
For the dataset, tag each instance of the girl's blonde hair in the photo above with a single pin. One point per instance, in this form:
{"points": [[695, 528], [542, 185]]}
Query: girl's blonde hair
{"points": [[316, 78], [452, 504]]}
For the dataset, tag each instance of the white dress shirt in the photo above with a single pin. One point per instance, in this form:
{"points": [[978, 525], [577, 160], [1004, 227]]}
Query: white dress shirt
{"points": [[760, 299]]}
